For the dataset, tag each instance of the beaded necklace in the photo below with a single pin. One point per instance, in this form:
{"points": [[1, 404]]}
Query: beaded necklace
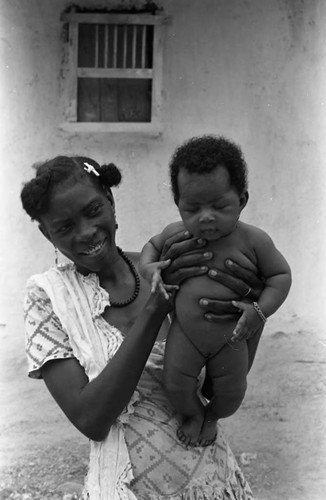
{"points": [[137, 282]]}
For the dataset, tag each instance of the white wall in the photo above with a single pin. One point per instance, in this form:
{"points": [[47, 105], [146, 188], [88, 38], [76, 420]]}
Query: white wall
{"points": [[252, 70]]}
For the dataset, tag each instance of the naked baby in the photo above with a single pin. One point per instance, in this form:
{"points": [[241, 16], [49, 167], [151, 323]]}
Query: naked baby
{"points": [[209, 184]]}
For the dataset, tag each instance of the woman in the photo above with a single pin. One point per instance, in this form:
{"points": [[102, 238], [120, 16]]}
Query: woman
{"points": [[95, 334]]}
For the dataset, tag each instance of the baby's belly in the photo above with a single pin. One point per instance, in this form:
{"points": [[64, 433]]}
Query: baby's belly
{"points": [[207, 335]]}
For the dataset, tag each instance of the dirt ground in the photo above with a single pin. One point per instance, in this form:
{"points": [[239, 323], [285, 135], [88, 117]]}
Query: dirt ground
{"points": [[278, 435]]}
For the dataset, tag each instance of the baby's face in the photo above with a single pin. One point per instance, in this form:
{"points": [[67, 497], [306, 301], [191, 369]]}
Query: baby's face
{"points": [[209, 206]]}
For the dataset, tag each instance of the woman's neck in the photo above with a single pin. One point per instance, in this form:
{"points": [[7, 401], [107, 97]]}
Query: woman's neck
{"points": [[115, 271]]}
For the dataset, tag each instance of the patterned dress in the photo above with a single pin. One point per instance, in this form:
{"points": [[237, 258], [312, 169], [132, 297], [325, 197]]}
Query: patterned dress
{"points": [[141, 459]]}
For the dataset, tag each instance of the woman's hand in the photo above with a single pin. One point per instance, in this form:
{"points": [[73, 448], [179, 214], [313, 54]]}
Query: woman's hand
{"points": [[241, 280], [187, 255]]}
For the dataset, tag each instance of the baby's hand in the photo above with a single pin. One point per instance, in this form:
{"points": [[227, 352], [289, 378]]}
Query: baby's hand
{"points": [[157, 282], [164, 302], [249, 323]]}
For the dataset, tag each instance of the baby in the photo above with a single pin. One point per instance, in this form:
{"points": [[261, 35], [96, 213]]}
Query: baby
{"points": [[209, 183]]}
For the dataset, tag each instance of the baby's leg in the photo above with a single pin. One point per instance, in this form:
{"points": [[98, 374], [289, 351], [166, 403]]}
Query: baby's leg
{"points": [[182, 366], [227, 372]]}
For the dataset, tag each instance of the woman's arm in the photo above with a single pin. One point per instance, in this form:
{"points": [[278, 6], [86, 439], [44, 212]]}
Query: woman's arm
{"points": [[94, 406]]}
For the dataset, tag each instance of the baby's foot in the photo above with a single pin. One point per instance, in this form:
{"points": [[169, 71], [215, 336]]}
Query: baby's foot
{"points": [[208, 433], [189, 431]]}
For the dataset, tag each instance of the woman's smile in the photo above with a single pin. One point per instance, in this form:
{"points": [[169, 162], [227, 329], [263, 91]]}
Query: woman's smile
{"points": [[94, 250]]}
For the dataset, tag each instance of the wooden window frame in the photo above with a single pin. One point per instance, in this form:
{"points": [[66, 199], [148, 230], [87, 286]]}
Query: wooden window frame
{"points": [[154, 127]]}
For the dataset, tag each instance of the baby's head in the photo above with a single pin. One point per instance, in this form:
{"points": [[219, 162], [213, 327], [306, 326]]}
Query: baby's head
{"points": [[64, 170], [209, 184], [201, 155]]}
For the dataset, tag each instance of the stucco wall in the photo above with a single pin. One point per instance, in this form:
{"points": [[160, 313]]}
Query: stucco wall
{"points": [[251, 70]]}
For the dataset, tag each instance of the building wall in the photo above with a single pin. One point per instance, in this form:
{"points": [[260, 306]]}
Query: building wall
{"points": [[252, 70]]}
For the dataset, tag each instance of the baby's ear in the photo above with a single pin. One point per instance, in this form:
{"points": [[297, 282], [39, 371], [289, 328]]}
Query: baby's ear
{"points": [[244, 197]]}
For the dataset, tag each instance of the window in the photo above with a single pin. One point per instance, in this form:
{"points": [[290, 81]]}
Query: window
{"points": [[114, 71]]}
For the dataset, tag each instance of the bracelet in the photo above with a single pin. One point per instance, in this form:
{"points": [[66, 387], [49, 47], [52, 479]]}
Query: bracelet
{"points": [[259, 312]]}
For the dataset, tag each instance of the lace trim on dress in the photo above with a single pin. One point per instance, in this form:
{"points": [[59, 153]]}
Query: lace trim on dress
{"points": [[99, 297]]}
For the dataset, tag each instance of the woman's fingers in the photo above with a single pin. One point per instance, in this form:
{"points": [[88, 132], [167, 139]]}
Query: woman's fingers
{"points": [[241, 280], [187, 257], [177, 276], [215, 309], [191, 260], [179, 244], [230, 281], [186, 266], [254, 284]]}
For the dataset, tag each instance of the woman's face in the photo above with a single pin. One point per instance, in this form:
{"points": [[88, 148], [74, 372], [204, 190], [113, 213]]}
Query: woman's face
{"points": [[80, 222], [208, 204]]}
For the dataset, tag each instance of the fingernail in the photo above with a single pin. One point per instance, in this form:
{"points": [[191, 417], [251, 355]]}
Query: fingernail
{"points": [[229, 262], [208, 316], [203, 268], [200, 241], [212, 272], [203, 302], [186, 233], [208, 254]]}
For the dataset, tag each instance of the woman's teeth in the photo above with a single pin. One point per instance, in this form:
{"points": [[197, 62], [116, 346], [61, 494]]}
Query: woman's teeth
{"points": [[93, 250]]}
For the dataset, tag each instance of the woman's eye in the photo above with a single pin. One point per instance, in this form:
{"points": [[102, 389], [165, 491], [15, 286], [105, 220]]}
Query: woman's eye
{"points": [[64, 229], [94, 210]]}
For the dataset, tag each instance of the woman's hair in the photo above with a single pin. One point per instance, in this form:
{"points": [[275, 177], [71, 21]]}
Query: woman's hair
{"points": [[200, 155], [35, 194]]}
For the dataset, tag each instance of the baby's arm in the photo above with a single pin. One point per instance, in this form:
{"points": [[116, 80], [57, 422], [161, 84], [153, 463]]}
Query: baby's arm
{"points": [[150, 265], [277, 273]]}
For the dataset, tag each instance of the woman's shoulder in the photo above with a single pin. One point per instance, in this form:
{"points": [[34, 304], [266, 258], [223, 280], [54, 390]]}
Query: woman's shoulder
{"points": [[39, 285]]}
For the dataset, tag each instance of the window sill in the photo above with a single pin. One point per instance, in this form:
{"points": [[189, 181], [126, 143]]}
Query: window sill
{"points": [[150, 129]]}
